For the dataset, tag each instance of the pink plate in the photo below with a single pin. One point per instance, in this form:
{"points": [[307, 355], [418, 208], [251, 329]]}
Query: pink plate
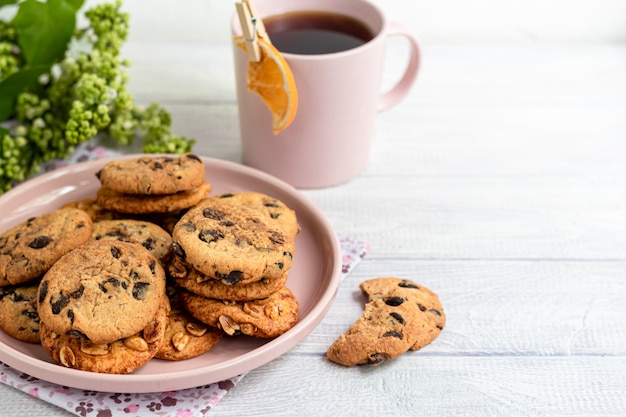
{"points": [[314, 279]]}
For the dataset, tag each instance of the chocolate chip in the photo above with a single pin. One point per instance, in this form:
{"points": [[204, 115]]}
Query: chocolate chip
{"points": [[421, 307], [189, 227], [271, 204], [210, 235], [157, 165], [277, 237], [31, 314], [77, 293], [114, 233], [77, 334], [59, 304], [211, 213], [407, 284], [149, 243], [115, 252], [178, 251], [394, 301], [152, 267], [193, 157], [376, 359], [280, 265], [98, 174], [435, 311], [231, 278], [114, 282], [274, 215], [227, 223], [18, 297], [228, 195], [397, 316], [43, 290], [139, 290], [39, 242], [70, 315], [393, 333]]}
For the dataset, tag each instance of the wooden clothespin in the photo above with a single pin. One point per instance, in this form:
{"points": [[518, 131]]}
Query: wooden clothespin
{"points": [[260, 27], [252, 27]]}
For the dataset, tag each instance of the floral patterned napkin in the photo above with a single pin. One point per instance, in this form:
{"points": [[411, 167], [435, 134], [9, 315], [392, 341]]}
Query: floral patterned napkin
{"points": [[182, 403]]}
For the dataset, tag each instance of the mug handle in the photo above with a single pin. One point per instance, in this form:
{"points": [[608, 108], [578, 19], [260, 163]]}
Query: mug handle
{"points": [[402, 87]]}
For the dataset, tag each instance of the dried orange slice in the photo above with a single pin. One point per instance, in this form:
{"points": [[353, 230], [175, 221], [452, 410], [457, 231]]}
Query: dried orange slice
{"points": [[272, 80]]}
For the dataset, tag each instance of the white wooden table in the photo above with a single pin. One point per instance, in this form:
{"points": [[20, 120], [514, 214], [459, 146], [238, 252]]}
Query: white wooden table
{"points": [[499, 183]]}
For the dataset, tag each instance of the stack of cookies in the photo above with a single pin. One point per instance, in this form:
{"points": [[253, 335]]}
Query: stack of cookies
{"points": [[152, 184], [232, 255], [103, 307], [150, 267]]}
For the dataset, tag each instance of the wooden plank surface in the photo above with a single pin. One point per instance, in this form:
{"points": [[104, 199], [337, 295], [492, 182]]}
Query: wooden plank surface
{"points": [[500, 184]]}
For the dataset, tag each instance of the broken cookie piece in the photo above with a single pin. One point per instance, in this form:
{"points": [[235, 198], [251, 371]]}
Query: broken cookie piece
{"points": [[400, 316]]}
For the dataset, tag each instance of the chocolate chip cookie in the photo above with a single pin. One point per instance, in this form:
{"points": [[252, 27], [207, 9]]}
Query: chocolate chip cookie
{"points": [[265, 318], [431, 319], [29, 249], [18, 312], [232, 243], [149, 235], [274, 210], [102, 291], [153, 174], [151, 203], [198, 283], [400, 316], [117, 357]]}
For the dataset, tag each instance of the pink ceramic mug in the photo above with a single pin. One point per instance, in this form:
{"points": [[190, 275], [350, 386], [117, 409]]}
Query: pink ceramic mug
{"points": [[339, 95]]}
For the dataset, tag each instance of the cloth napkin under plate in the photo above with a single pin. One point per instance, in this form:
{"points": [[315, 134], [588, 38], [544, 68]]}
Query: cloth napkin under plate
{"points": [[190, 402]]}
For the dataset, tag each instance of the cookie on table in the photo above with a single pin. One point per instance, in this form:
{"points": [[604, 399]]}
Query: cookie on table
{"points": [[400, 316], [18, 312], [274, 210], [153, 174], [265, 318], [233, 243], [29, 249], [209, 287], [102, 291], [151, 203], [185, 336], [117, 357], [149, 235], [431, 319]]}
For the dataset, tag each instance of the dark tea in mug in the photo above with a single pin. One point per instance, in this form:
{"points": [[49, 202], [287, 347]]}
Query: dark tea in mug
{"points": [[315, 32]]}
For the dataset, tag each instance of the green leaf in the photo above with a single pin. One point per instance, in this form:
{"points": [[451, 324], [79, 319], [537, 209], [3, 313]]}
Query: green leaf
{"points": [[7, 2], [45, 29], [15, 84], [76, 4]]}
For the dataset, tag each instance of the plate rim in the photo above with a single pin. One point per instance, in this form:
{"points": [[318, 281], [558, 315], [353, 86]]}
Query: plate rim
{"points": [[188, 378]]}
